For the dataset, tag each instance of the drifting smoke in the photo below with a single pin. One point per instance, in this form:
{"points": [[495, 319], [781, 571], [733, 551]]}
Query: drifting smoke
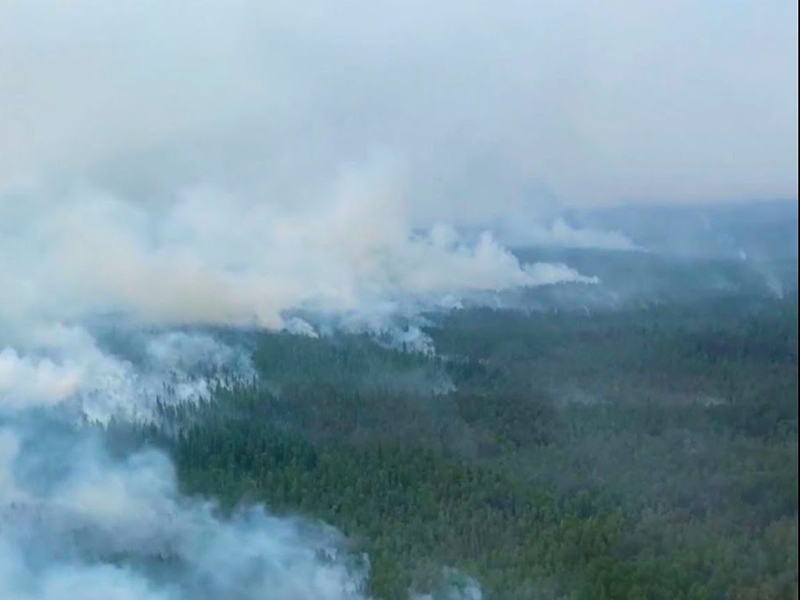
{"points": [[521, 231], [207, 258], [60, 540], [75, 521], [66, 369], [457, 587], [101, 296], [175, 165]]}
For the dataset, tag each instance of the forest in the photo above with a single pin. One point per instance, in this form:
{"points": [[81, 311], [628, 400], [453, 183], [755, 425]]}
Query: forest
{"points": [[644, 452]]}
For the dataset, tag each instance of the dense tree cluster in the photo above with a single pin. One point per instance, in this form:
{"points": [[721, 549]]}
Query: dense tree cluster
{"points": [[649, 453]]}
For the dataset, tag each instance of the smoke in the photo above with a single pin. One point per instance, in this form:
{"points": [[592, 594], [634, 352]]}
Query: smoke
{"points": [[521, 231], [227, 194], [596, 103], [66, 368], [31, 379], [214, 164], [92, 288], [206, 257], [456, 586], [209, 163], [122, 530], [76, 521]]}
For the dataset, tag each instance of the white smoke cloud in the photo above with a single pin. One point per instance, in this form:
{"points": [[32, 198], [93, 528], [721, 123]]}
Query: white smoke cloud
{"points": [[23, 379], [212, 258], [211, 203], [73, 519], [521, 231], [64, 366], [57, 543], [299, 326], [186, 352], [75, 522], [457, 586]]}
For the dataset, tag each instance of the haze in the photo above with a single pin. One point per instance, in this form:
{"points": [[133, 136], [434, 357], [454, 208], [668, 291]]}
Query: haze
{"points": [[484, 108]]}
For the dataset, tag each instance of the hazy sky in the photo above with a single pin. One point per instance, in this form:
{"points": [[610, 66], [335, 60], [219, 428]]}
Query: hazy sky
{"points": [[480, 105]]}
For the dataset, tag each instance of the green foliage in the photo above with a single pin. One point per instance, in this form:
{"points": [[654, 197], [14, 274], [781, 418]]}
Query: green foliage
{"points": [[644, 454]]}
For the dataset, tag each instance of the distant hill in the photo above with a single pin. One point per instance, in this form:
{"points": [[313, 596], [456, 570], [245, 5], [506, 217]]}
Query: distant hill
{"points": [[755, 230]]}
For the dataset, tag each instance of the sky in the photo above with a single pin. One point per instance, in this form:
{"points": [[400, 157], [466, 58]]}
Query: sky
{"points": [[477, 109]]}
